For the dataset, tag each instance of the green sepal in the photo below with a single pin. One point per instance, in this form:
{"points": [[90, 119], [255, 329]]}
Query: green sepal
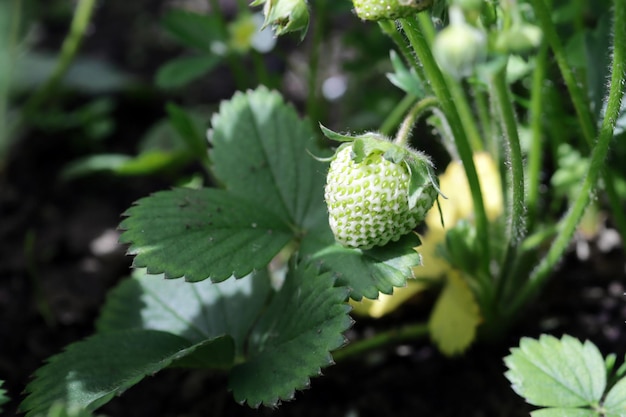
{"points": [[370, 142], [421, 173], [336, 136]]}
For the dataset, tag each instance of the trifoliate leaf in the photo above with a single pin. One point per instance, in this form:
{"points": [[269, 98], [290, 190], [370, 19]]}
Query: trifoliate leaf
{"points": [[365, 272], [200, 234], [557, 373], [91, 372], [292, 341], [262, 152], [195, 311], [615, 401], [455, 317]]}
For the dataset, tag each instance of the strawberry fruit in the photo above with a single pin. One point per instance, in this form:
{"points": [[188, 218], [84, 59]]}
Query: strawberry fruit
{"points": [[388, 9], [376, 191]]}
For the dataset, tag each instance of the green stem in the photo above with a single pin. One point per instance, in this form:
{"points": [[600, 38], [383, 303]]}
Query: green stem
{"points": [[440, 88], [577, 95], [484, 116], [393, 336], [313, 108], [458, 95], [69, 48], [516, 221], [535, 153], [238, 71], [569, 222], [393, 119], [465, 113], [404, 132]]}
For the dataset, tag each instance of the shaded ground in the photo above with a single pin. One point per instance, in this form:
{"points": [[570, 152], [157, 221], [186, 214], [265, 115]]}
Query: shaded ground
{"points": [[58, 259]]}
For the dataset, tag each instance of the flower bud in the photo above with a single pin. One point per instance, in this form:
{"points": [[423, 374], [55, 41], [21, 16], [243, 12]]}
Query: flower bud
{"points": [[459, 47], [389, 9], [519, 39], [285, 15]]}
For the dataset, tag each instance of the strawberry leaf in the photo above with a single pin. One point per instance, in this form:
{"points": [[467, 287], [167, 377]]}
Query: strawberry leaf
{"points": [[292, 340], [262, 152], [365, 272], [200, 234], [195, 311], [615, 401], [91, 372], [557, 373]]}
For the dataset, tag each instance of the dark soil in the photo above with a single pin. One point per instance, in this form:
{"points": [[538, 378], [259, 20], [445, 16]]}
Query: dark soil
{"points": [[58, 259]]}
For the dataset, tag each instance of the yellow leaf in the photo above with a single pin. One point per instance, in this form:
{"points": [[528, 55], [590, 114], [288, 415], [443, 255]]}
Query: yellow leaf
{"points": [[455, 317]]}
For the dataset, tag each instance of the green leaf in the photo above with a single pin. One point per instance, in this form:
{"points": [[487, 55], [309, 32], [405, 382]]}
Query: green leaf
{"points": [[366, 273], [91, 372], [292, 341], [557, 373], [195, 311], [615, 401], [181, 71], [194, 30], [262, 151], [403, 78], [94, 163], [200, 234], [564, 412]]}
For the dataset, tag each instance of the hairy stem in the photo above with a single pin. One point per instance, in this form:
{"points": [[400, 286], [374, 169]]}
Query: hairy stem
{"points": [[404, 133], [535, 152], [516, 213]]}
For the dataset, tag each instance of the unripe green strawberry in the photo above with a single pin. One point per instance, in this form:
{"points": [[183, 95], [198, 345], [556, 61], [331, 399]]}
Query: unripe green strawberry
{"points": [[377, 192], [388, 9]]}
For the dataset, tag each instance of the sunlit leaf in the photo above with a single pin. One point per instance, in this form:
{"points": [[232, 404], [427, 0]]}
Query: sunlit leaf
{"points": [[195, 311], [200, 234], [263, 151], [557, 373]]}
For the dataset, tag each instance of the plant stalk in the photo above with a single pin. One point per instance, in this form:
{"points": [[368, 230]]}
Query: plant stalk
{"points": [[404, 132], [442, 92], [516, 212], [69, 48], [567, 225], [393, 336]]}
